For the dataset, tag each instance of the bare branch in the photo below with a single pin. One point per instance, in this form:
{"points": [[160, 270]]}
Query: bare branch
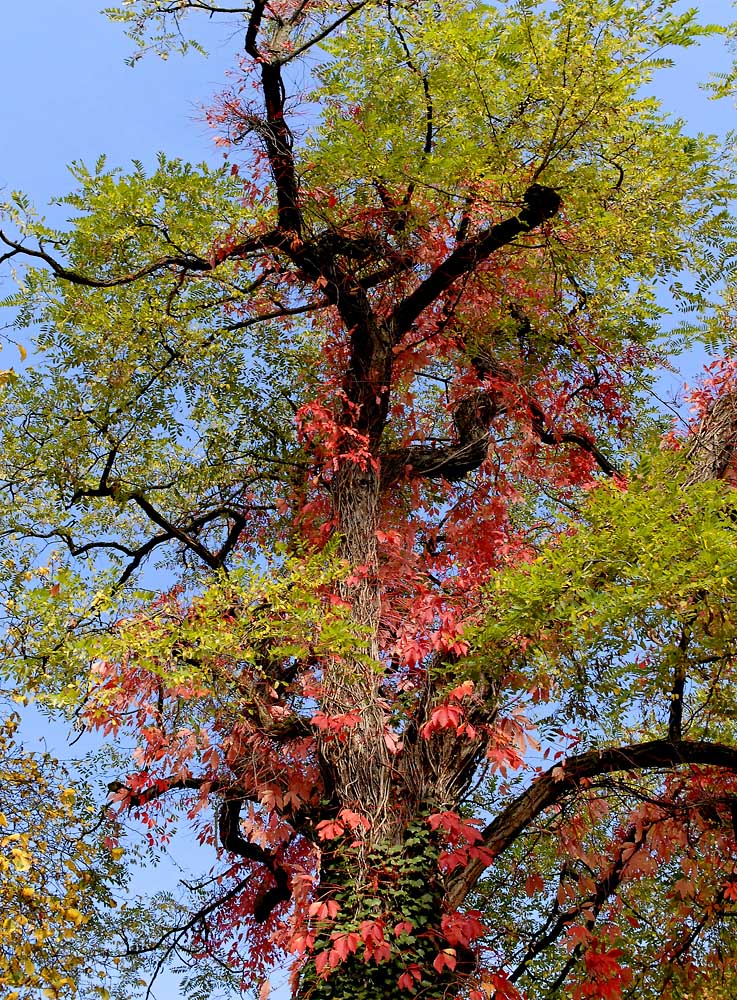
{"points": [[187, 262], [675, 716], [317, 38], [540, 426], [277, 135], [190, 262], [233, 841]]}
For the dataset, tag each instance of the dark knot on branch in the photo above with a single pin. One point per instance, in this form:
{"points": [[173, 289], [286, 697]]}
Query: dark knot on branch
{"points": [[541, 203]]}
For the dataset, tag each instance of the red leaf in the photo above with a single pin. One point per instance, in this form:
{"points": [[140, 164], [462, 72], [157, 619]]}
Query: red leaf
{"points": [[533, 884], [329, 829], [345, 944], [445, 959]]}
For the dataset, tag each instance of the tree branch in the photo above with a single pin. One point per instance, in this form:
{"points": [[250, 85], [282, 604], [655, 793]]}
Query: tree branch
{"points": [[541, 203], [230, 837], [559, 781], [605, 887], [675, 716], [317, 38], [277, 135], [472, 418], [135, 800], [540, 426], [173, 531], [187, 262]]}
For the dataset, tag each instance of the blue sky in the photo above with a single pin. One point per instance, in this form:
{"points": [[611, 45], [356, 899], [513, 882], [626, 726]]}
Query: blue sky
{"points": [[67, 94]]}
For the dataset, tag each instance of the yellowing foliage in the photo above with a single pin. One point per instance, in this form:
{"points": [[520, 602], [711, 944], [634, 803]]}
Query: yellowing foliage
{"points": [[51, 873]]}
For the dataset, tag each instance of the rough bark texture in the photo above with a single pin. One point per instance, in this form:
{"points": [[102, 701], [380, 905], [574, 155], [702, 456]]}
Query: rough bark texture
{"points": [[712, 452], [359, 761]]}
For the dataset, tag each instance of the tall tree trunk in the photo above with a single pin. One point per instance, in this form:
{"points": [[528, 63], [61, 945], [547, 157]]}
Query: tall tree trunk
{"points": [[359, 761]]}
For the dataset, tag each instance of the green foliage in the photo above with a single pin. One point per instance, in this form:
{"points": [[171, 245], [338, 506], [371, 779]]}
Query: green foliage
{"points": [[58, 634], [560, 90], [190, 461], [135, 15], [155, 388], [639, 581]]}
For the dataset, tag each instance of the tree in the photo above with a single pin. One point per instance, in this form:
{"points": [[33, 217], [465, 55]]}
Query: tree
{"points": [[58, 878], [337, 487]]}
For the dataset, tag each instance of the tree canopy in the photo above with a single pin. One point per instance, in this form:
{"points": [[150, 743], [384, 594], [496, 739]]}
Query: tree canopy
{"points": [[338, 500]]}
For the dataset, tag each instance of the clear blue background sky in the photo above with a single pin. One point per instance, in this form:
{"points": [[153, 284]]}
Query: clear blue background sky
{"points": [[66, 94]]}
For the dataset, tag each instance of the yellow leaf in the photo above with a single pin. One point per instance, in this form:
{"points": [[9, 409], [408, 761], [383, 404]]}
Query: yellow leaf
{"points": [[72, 914], [23, 352], [21, 859]]}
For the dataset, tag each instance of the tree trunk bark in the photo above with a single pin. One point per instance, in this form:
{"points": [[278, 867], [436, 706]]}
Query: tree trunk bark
{"points": [[359, 760]]}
